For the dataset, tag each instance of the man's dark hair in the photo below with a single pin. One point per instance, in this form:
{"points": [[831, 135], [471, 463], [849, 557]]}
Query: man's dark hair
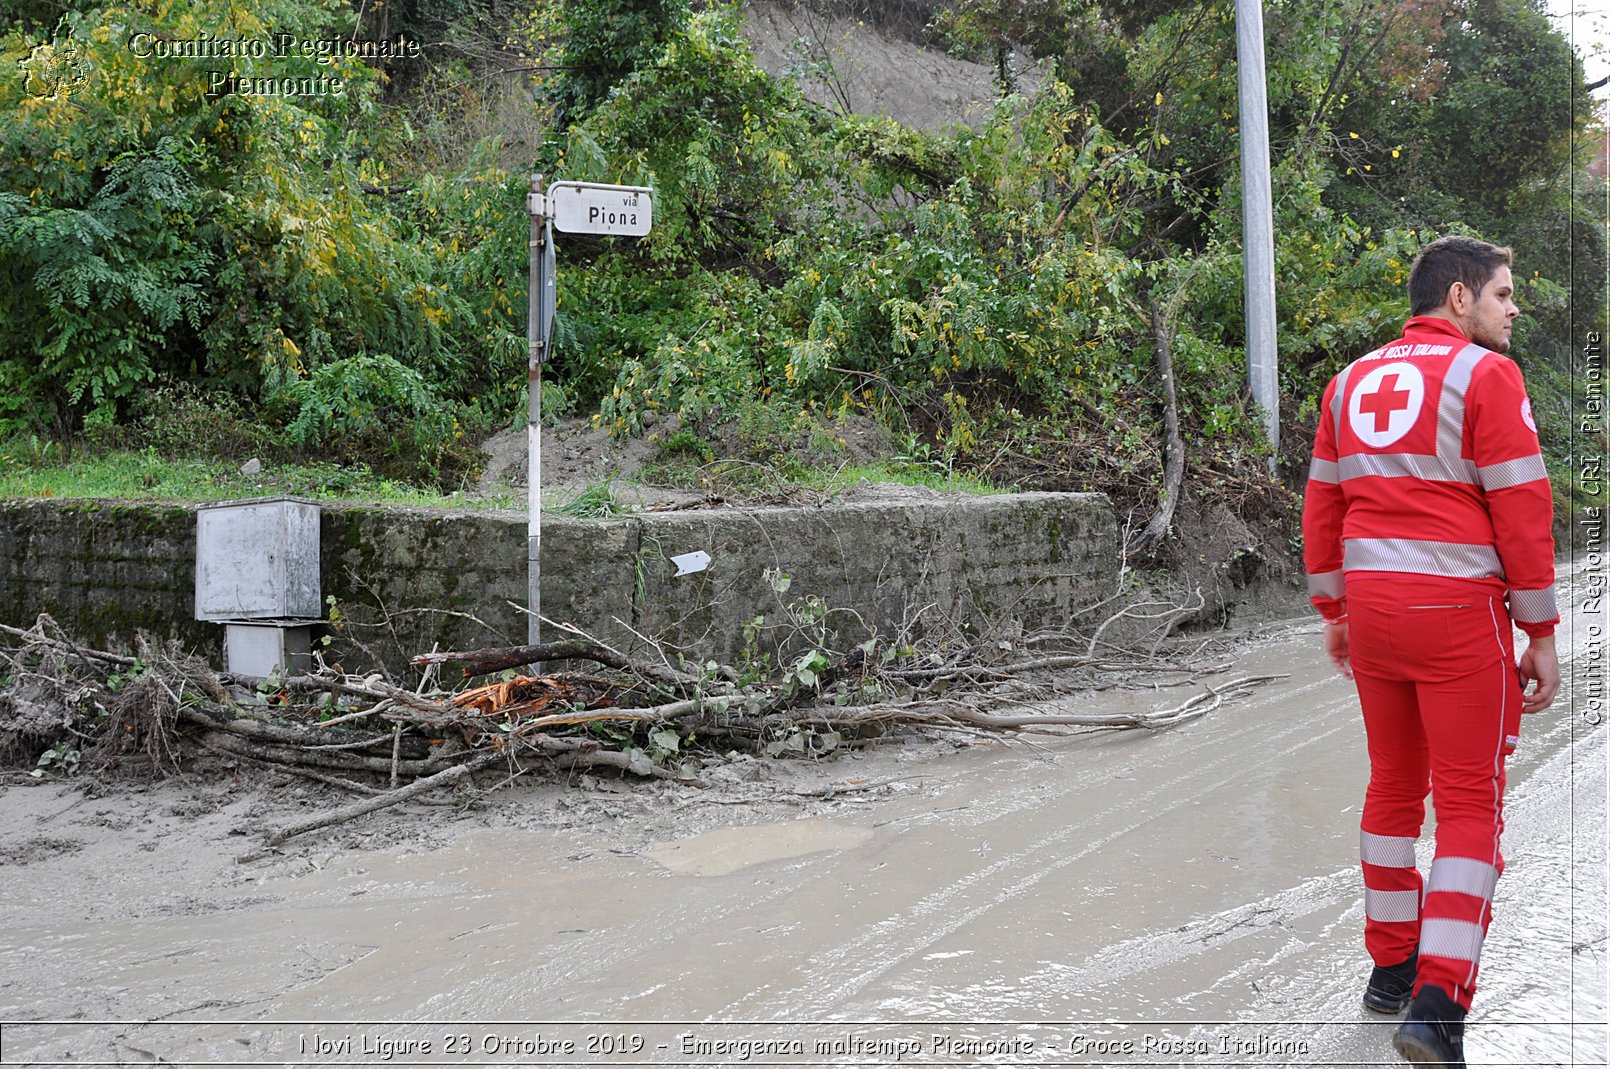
{"points": [[1449, 260]]}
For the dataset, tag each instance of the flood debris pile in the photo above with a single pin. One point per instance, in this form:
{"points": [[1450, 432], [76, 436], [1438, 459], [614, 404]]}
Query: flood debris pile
{"points": [[65, 708]]}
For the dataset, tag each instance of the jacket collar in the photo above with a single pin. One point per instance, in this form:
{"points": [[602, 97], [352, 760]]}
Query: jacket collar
{"points": [[1433, 325]]}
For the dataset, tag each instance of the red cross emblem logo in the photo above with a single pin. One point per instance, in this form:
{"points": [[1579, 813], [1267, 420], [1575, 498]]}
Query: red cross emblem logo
{"points": [[1386, 403]]}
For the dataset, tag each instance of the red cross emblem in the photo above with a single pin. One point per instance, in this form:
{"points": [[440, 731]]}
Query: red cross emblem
{"points": [[1386, 404], [1386, 400]]}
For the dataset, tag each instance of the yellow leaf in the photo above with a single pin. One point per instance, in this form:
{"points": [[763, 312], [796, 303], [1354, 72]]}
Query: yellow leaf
{"points": [[1352, 135], [1159, 99]]}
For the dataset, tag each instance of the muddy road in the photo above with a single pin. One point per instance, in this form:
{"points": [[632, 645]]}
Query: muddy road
{"points": [[1123, 898]]}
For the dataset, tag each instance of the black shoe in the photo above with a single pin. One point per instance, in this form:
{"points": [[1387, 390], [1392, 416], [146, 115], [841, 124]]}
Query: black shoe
{"points": [[1434, 1031], [1391, 985]]}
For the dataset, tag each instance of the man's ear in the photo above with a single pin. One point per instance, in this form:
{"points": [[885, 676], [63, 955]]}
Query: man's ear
{"points": [[1457, 294]]}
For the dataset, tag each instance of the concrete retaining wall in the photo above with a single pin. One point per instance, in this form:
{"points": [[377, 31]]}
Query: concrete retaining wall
{"points": [[406, 580]]}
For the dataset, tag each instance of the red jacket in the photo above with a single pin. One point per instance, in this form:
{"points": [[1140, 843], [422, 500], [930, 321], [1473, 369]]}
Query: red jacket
{"points": [[1426, 467]]}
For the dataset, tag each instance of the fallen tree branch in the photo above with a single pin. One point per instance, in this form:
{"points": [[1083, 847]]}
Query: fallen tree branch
{"points": [[36, 634], [286, 755], [376, 689], [445, 778], [954, 709], [308, 773], [487, 661], [617, 760], [363, 733], [220, 718], [1193, 707]]}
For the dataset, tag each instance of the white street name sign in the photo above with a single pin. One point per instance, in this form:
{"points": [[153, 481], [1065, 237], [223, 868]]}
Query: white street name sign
{"points": [[586, 208]]}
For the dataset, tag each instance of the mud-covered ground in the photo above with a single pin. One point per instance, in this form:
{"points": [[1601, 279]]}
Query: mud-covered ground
{"points": [[1188, 896]]}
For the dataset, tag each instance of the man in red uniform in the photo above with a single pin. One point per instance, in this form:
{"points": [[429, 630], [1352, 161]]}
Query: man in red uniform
{"points": [[1427, 529]]}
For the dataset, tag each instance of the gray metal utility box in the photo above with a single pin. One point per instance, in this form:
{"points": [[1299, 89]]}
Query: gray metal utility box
{"points": [[258, 560]]}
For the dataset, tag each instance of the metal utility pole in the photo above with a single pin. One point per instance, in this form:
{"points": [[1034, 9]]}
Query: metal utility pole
{"points": [[539, 335], [1257, 220]]}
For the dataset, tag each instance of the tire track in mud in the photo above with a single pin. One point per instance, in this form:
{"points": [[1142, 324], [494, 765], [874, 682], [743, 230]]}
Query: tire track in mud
{"points": [[1537, 923], [840, 973], [598, 958], [1549, 916]]}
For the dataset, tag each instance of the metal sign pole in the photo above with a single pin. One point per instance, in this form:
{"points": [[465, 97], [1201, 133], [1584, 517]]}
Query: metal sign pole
{"points": [[582, 208], [539, 335]]}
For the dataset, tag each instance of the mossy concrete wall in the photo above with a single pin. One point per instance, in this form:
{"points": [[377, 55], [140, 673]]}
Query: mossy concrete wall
{"points": [[407, 580]]}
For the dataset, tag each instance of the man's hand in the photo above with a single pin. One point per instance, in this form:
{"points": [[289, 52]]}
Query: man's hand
{"points": [[1539, 665], [1336, 649]]}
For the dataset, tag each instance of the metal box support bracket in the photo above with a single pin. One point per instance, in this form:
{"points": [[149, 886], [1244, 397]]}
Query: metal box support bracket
{"points": [[263, 650]]}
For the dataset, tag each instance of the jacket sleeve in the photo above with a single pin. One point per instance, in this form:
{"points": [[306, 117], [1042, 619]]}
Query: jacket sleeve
{"points": [[1501, 437], [1324, 507]]}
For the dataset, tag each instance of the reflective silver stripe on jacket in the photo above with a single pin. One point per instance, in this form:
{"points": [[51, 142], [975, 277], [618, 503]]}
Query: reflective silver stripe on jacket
{"points": [[1388, 851], [1533, 606], [1327, 585], [1517, 472], [1323, 471], [1444, 938], [1391, 906], [1463, 875], [1451, 408], [1456, 560], [1413, 465], [1338, 400]]}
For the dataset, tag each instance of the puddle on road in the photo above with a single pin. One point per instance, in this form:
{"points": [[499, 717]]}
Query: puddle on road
{"points": [[726, 850]]}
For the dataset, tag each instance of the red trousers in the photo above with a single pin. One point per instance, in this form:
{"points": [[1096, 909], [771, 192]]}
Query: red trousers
{"points": [[1434, 661]]}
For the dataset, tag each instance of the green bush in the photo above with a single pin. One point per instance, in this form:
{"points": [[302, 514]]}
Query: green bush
{"points": [[95, 300], [149, 229], [370, 402]]}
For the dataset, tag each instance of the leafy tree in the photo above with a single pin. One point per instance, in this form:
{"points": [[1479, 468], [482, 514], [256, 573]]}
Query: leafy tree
{"points": [[1475, 110], [1473, 125], [603, 42], [112, 186], [998, 28], [97, 296], [155, 229]]}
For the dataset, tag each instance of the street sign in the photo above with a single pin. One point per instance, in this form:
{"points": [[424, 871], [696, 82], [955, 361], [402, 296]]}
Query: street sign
{"points": [[588, 208]]}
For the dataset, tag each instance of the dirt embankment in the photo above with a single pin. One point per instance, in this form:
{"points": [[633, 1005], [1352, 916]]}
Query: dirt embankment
{"points": [[849, 66]]}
